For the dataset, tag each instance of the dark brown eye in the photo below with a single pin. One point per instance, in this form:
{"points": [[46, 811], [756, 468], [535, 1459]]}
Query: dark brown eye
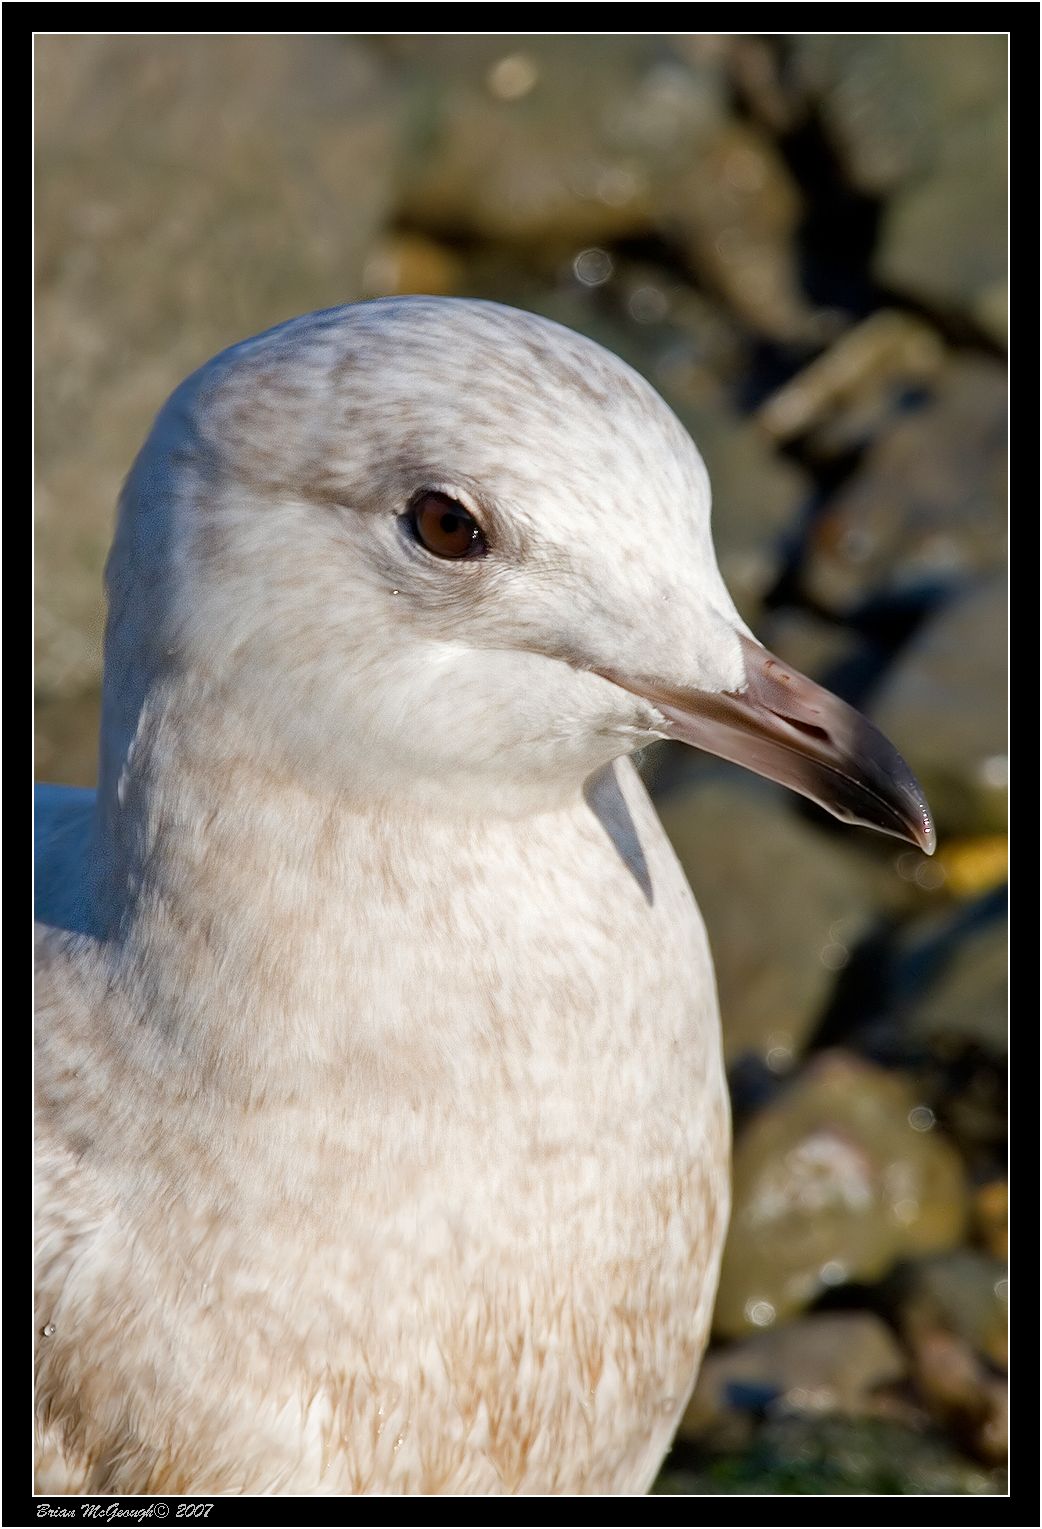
{"points": [[445, 528]]}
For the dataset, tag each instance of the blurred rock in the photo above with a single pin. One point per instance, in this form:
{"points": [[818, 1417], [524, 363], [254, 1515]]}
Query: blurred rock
{"points": [[567, 142], [756, 498], [907, 884], [405, 263], [922, 122], [840, 400], [952, 1313], [757, 493], [965, 1002], [933, 1003], [640, 307], [560, 140], [944, 707], [893, 103], [188, 196], [975, 865], [830, 1362], [964, 1292], [783, 919], [990, 1214], [943, 243], [972, 1097], [67, 731], [833, 1182], [960, 1392], [992, 1436], [763, 86], [673, 311], [734, 212], [928, 504], [825, 1455]]}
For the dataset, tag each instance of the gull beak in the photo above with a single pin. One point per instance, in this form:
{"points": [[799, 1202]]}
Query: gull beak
{"points": [[790, 730]]}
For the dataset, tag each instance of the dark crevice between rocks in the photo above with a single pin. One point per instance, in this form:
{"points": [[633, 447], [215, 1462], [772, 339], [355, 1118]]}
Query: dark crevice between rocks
{"points": [[880, 983], [868, 1011], [860, 991], [753, 1086], [655, 249], [854, 1296], [837, 237], [958, 330]]}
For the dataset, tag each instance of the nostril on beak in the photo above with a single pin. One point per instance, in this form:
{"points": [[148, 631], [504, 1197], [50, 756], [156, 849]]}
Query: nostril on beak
{"points": [[804, 727]]}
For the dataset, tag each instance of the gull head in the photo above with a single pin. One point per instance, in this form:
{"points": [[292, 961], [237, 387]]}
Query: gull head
{"points": [[443, 550]]}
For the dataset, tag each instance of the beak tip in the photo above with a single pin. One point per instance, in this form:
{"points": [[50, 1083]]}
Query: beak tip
{"points": [[927, 837], [787, 728]]}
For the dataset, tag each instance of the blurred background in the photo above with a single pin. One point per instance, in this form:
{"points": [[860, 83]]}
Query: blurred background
{"points": [[800, 241]]}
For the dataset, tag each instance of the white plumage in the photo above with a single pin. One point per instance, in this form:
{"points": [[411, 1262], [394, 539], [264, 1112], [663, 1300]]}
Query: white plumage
{"points": [[383, 1132]]}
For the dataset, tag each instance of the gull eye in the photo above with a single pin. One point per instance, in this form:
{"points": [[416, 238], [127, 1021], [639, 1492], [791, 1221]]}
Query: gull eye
{"points": [[444, 527]]}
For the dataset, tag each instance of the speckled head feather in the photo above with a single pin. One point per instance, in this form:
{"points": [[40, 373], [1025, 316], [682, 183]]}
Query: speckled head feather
{"points": [[265, 513]]}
